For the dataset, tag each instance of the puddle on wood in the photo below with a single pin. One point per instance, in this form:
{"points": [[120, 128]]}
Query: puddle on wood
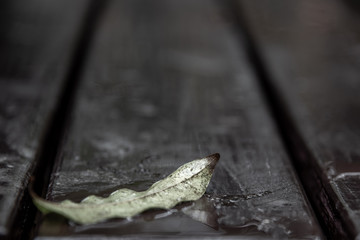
{"points": [[207, 216]]}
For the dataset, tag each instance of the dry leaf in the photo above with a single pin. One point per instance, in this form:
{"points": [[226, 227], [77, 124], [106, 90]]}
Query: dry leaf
{"points": [[187, 183]]}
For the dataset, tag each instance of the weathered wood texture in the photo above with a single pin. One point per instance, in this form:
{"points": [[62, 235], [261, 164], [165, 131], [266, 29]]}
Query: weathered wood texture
{"points": [[311, 49], [35, 42], [166, 83]]}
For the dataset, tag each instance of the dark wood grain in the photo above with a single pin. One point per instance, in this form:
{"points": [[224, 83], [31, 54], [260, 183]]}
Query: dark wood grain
{"points": [[311, 49], [167, 82], [36, 39]]}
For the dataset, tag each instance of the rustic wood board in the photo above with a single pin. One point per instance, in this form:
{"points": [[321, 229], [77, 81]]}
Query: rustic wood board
{"points": [[35, 43], [311, 49], [167, 82]]}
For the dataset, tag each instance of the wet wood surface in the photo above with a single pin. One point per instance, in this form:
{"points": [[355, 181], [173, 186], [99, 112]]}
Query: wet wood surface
{"points": [[270, 85], [311, 49], [167, 82], [35, 43]]}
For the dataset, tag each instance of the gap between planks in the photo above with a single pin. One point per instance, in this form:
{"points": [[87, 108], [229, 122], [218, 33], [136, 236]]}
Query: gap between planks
{"points": [[47, 157]]}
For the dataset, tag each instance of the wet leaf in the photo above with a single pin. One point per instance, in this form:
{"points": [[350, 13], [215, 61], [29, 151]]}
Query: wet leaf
{"points": [[187, 183]]}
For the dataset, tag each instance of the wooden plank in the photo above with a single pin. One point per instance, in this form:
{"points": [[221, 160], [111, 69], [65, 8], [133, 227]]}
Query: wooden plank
{"points": [[166, 83], [36, 40], [311, 49]]}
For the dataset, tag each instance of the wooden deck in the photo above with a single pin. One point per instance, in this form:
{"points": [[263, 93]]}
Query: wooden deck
{"points": [[101, 95]]}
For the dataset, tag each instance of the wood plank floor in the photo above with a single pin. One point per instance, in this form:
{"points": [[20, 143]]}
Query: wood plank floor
{"points": [[162, 88], [101, 95]]}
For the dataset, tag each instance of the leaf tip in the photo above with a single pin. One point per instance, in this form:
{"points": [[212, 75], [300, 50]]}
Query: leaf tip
{"points": [[213, 159]]}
